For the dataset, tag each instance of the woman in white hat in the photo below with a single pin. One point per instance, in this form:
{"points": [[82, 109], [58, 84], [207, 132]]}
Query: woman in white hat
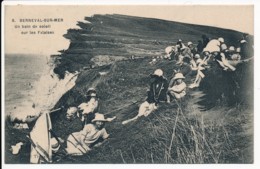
{"points": [[81, 142], [88, 108], [158, 87], [199, 66], [178, 90]]}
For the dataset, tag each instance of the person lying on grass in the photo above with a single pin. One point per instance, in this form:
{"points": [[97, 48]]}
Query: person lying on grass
{"points": [[92, 135], [146, 108], [177, 87]]}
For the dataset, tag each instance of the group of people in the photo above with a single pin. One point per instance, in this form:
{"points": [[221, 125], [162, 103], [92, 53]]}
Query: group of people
{"points": [[196, 58], [93, 132]]}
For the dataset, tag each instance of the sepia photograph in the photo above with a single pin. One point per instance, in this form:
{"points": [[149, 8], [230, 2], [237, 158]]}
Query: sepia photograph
{"points": [[128, 84]]}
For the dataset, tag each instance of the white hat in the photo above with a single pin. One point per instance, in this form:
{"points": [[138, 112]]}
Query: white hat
{"points": [[206, 53], [54, 144], [71, 112], [190, 43], [221, 40], [197, 56], [180, 40], [231, 48], [223, 47], [99, 117], [91, 89], [179, 76], [158, 72], [93, 94], [243, 41]]}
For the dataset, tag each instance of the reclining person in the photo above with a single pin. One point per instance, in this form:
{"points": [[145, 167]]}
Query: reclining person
{"points": [[91, 135], [145, 109]]}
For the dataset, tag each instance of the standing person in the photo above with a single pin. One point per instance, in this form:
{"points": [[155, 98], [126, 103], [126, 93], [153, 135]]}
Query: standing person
{"points": [[91, 135], [177, 87], [158, 87]]}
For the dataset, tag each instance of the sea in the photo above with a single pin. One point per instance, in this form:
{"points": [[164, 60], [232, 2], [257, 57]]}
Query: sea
{"points": [[22, 71]]}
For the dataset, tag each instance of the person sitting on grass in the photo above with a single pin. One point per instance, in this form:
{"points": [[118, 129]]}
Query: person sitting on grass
{"points": [[179, 48], [158, 87], [88, 109], [177, 87], [155, 95], [92, 135], [199, 66]]}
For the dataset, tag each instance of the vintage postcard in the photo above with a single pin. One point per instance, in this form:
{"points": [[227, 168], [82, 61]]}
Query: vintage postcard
{"points": [[128, 84]]}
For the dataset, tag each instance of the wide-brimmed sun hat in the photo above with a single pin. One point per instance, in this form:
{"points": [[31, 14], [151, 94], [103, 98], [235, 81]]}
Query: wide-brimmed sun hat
{"points": [[91, 89], [190, 43], [231, 49], [243, 41], [223, 47], [197, 56], [99, 117], [158, 72], [179, 76], [93, 95]]}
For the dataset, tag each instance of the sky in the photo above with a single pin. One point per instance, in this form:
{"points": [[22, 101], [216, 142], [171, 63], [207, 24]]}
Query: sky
{"points": [[236, 17]]}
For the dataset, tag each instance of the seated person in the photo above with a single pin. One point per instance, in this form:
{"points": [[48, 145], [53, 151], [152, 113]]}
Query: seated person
{"points": [[81, 142], [87, 109], [170, 50], [221, 58], [177, 87], [158, 87], [199, 67]]}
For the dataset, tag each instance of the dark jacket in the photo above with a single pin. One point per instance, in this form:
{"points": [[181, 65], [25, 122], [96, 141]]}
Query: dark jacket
{"points": [[158, 90]]}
